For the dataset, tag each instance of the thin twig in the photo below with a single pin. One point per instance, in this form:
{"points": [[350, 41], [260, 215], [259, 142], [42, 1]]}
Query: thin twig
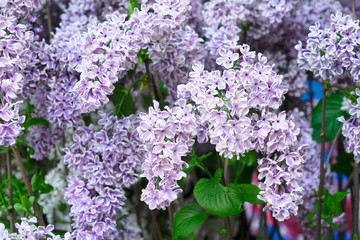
{"points": [[48, 15], [137, 212], [11, 211], [321, 184], [158, 90], [170, 219], [310, 77], [226, 171], [149, 81], [37, 212], [353, 9], [152, 81], [276, 226], [266, 236], [328, 160], [227, 219], [155, 222], [356, 198]]}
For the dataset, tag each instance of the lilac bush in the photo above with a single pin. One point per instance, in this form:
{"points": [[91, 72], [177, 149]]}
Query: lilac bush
{"points": [[113, 111]]}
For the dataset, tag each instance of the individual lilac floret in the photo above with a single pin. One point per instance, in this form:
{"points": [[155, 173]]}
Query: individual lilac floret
{"points": [[28, 230], [332, 52], [106, 161], [168, 136], [10, 121], [351, 129]]}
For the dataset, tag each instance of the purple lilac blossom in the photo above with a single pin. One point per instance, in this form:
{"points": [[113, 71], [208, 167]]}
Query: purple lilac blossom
{"points": [[332, 52], [106, 161], [168, 136], [111, 47], [10, 122], [351, 128], [234, 110], [28, 230]]}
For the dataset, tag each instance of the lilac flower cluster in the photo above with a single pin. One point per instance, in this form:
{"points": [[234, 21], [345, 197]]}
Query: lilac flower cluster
{"points": [[28, 230], [278, 45], [225, 19], [351, 128], [16, 60], [169, 136], [106, 161], [112, 46], [10, 122], [234, 109], [43, 139], [332, 52]]}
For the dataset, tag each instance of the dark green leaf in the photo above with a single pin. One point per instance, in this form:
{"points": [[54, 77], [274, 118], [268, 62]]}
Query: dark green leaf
{"points": [[142, 56], [248, 192], [249, 158], [216, 198], [344, 165], [332, 203], [46, 188], [196, 161], [132, 5], [62, 207], [187, 219], [127, 105], [332, 112], [19, 207], [35, 121], [163, 89]]}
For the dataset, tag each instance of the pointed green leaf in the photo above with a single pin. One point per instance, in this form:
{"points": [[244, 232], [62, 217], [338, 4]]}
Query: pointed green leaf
{"points": [[19, 207], [216, 198], [332, 112], [187, 219]]}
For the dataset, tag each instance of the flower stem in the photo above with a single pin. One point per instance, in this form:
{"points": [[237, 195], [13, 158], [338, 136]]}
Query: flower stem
{"points": [[37, 212], [48, 15], [321, 184], [227, 219], [356, 199], [11, 211]]}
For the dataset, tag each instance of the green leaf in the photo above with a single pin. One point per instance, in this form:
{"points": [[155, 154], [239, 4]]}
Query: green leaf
{"points": [[196, 161], [249, 158], [35, 121], [163, 89], [344, 165], [310, 217], [127, 105], [142, 56], [216, 198], [132, 5], [62, 207], [248, 192], [332, 112], [46, 188], [187, 219], [31, 200], [223, 230], [19, 207], [331, 203]]}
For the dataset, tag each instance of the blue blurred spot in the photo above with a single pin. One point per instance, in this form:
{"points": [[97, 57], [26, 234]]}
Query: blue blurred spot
{"points": [[316, 88]]}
